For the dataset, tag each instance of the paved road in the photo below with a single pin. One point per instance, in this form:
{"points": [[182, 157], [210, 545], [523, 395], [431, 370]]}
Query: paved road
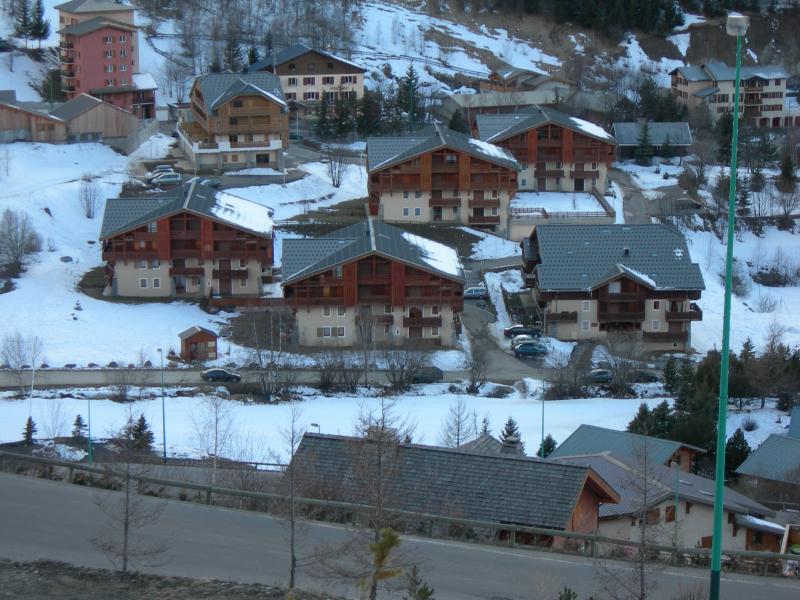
{"points": [[636, 207], [50, 520]]}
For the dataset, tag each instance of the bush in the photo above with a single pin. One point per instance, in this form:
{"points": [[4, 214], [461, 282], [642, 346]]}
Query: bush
{"points": [[18, 240], [749, 424]]}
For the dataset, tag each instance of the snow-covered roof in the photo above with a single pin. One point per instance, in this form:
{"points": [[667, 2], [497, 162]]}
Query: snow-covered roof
{"points": [[89, 6], [757, 524], [494, 128], [219, 88], [440, 257], [144, 81], [591, 129]]}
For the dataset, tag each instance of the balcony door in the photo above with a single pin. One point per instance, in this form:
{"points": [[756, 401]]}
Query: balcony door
{"points": [[225, 283], [579, 185]]}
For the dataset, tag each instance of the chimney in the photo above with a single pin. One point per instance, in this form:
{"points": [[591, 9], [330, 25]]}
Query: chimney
{"points": [[510, 445], [626, 251]]}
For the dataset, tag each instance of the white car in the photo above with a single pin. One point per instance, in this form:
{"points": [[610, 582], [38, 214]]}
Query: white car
{"points": [[159, 170], [167, 179], [521, 339]]}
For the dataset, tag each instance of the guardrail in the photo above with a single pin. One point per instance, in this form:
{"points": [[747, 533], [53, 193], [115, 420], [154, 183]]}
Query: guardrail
{"points": [[592, 543]]}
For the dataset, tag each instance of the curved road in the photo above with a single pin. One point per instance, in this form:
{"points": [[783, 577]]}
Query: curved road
{"points": [[42, 519]]}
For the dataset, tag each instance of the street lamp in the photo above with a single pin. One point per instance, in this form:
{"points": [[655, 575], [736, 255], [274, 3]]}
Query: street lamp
{"points": [[163, 409], [89, 429], [737, 27]]}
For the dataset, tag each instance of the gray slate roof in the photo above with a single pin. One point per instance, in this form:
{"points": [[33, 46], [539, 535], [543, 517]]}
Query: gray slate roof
{"points": [[95, 24], [386, 151], [76, 107], [628, 481], [443, 481], [84, 6], [305, 257], [492, 128], [218, 88], [124, 214], [719, 71], [488, 444], [589, 439], [706, 92], [582, 257], [692, 73], [794, 423], [194, 329], [627, 134], [293, 52], [777, 458]]}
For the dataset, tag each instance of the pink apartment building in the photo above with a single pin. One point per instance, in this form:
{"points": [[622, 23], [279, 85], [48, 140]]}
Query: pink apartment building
{"points": [[99, 52]]}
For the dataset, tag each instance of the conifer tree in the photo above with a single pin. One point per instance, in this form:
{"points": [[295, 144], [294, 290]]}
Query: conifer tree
{"points": [[667, 150], [511, 430], [743, 197], [29, 432], [457, 122], [736, 452], [22, 24], [409, 98], [252, 55], [644, 149], [40, 26], [546, 447], [671, 375], [78, 427], [417, 588], [323, 125], [139, 434], [641, 422]]}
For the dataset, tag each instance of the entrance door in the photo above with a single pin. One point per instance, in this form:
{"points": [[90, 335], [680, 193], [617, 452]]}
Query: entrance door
{"points": [[579, 185], [437, 213], [541, 184], [225, 278], [262, 159]]}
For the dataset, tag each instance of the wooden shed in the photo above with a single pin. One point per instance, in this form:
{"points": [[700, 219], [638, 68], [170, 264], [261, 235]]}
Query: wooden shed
{"points": [[198, 343]]}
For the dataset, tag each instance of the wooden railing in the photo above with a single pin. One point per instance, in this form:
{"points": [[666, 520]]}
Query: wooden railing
{"points": [[621, 316], [666, 336], [563, 315], [229, 273], [693, 314], [484, 220], [422, 321]]}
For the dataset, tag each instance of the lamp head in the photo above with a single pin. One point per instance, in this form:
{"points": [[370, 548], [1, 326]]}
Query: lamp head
{"points": [[737, 24]]}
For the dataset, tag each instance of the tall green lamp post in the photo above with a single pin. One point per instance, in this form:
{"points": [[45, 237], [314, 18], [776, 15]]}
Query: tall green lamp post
{"points": [[737, 27]]}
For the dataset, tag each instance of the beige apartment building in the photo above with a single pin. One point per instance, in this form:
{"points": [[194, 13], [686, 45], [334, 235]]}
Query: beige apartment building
{"points": [[762, 102], [308, 74], [593, 281]]}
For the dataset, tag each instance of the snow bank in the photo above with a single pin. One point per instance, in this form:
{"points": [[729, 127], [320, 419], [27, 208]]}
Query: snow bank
{"points": [[652, 177], [491, 246], [557, 201], [635, 59]]}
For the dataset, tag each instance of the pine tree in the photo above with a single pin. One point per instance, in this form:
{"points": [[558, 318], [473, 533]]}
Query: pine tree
{"points": [[743, 197], [417, 588], [78, 427], [667, 150], [787, 178], [343, 116], [723, 132], [757, 180], [409, 98], [368, 120], [457, 122], [323, 125], [511, 430], [736, 452], [642, 421], [252, 55], [661, 420], [22, 25], [40, 26], [644, 149], [671, 375], [139, 435], [748, 352], [546, 447], [29, 432]]}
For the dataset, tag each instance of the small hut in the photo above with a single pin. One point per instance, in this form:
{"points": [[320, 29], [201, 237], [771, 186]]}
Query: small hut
{"points": [[198, 343]]}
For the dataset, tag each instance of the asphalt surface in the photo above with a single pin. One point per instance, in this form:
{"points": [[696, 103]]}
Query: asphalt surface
{"points": [[42, 519]]}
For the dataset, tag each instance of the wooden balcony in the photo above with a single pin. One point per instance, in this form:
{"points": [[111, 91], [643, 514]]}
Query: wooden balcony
{"points": [[383, 319], [484, 203], [186, 271], [693, 314], [665, 336], [484, 220], [550, 143], [184, 252], [422, 321], [184, 234], [68, 73], [564, 315], [445, 201], [584, 174], [549, 172], [249, 112], [605, 296], [375, 298], [620, 316], [229, 273]]}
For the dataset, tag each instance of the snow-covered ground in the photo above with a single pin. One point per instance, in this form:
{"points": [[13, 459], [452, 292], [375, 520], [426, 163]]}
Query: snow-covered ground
{"points": [[651, 177], [681, 41], [616, 202], [491, 246], [313, 192], [689, 20], [557, 201], [636, 60], [18, 72]]}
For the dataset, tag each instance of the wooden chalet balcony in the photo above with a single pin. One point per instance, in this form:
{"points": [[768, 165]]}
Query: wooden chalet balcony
{"points": [[544, 172], [484, 202], [439, 198], [484, 220], [186, 271], [666, 336], [693, 314], [584, 174], [229, 273], [249, 112], [375, 298], [529, 279], [68, 73], [67, 57], [383, 319], [550, 143], [441, 166], [605, 296], [66, 45], [622, 316], [184, 234], [484, 168], [422, 321], [564, 315], [184, 252]]}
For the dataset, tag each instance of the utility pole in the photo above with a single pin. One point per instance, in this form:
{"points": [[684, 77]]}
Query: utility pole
{"points": [[163, 406]]}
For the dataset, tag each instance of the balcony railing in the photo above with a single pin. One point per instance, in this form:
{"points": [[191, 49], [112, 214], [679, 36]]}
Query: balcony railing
{"points": [[383, 319], [621, 316], [484, 220], [68, 73], [422, 321], [564, 315], [606, 296], [229, 273], [186, 271], [693, 314], [666, 336], [484, 203]]}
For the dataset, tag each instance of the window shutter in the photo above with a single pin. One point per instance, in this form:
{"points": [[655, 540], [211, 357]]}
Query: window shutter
{"points": [[319, 331]]}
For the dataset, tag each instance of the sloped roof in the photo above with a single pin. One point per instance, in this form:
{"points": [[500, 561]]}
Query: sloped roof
{"points": [[691, 73], [662, 482], [193, 330], [218, 88], [777, 458], [720, 71], [627, 134], [305, 257], [706, 92], [293, 52], [794, 423], [590, 439], [582, 257], [492, 128], [425, 479], [85, 6], [75, 107], [124, 214], [488, 444], [383, 152], [94, 24], [39, 109]]}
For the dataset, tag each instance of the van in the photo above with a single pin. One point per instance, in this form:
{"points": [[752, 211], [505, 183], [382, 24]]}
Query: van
{"points": [[475, 292]]}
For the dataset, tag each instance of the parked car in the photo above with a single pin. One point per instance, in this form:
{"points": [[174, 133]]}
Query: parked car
{"points": [[219, 374], [475, 292], [530, 349], [599, 376], [641, 376], [428, 375], [156, 171], [167, 179], [515, 330], [212, 183], [521, 339]]}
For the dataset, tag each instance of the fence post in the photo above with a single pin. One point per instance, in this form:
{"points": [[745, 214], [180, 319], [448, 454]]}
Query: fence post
{"points": [[2, 462], [208, 496]]}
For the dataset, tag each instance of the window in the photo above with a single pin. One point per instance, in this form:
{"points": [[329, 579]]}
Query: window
{"points": [[123, 67], [109, 83], [405, 211], [309, 80], [688, 507], [328, 80], [142, 244], [337, 272], [524, 182], [494, 193], [143, 283], [349, 79], [450, 159], [108, 54], [330, 64], [311, 96], [387, 309], [586, 305], [326, 331], [656, 325], [123, 53], [109, 68], [292, 66], [585, 325], [124, 81], [434, 310], [242, 263], [290, 96], [152, 227], [156, 282], [196, 281], [243, 282], [326, 311], [292, 81], [434, 332], [387, 329], [155, 264], [405, 194], [417, 194], [238, 104], [109, 39], [615, 287], [653, 516], [417, 211], [340, 311], [669, 514], [594, 166], [494, 211], [558, 165], [656, 305], [337, 331], [142, 264], [121, 39]]}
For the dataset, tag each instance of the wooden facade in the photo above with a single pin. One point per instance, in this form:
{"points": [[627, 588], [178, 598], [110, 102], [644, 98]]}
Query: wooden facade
{"points": [[313, 63], [17, 124], [198, 343]]}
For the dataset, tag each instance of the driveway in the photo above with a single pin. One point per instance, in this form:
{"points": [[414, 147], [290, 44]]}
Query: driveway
{"points": [[635, 206]]}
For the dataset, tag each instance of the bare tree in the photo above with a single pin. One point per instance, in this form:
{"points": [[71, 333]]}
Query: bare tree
{"points": [[459, 424], [213, 430], [623, 353], [123, 380], [127, 513], [18, 240], [788, 200], [476, 369], [54, 420], [20, 352], [334, 157], [567, 379], [89, 195], [403, 365], [276, 373], [365, 329]]}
